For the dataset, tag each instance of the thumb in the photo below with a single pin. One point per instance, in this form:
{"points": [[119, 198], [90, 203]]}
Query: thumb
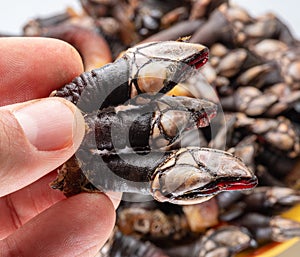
{"points": [[35, 138]]}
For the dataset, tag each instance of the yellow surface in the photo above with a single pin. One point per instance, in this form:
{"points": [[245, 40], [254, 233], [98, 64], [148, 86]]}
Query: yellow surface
{"points": [[273, 250], [293, 213]]}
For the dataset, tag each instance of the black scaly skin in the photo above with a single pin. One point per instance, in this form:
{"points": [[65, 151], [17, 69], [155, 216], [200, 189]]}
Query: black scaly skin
{"points": [[99, 86]]}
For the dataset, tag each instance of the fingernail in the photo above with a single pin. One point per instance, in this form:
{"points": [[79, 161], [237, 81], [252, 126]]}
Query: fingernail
{"points": [[49, 124]]}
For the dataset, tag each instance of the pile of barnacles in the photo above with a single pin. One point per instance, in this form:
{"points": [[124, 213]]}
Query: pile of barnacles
{"points": [[254, 71]]}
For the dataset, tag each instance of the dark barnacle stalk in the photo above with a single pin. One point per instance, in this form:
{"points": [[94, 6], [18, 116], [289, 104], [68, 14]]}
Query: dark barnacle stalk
{"points": [[240, 29], [224, 241], [267, 179], [269, 200], [34, 27], [91, 93], [128, 246], [148, 126], [97, 9], [292, 179], [178, 30], [182, 176], [265, 200], [150, 15], [269, 228], [173, 176], [135, 75], [203, 9], [210, 33]]}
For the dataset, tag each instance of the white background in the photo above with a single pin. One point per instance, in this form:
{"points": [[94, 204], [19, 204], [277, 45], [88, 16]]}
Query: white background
{"points": [[14, 14]]}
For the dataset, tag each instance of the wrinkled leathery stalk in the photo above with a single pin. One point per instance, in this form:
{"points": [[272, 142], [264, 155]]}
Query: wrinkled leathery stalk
{"points": [[132, 146]]}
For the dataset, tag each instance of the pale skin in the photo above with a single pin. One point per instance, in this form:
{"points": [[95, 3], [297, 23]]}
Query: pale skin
{"points": [[38, 134]]}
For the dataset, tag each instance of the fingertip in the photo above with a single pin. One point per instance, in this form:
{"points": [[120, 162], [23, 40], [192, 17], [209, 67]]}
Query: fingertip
{"points": [[36, 137], [34, 67], [70, 66], [72, 227]]}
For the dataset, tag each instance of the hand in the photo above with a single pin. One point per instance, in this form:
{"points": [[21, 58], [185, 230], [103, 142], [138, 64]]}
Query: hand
{"points": [[37, 136]]}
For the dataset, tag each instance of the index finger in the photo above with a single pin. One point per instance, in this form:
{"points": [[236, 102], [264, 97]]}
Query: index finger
{"points": [[32, 68]]}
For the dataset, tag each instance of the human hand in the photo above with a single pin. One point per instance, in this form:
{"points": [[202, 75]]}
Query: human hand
{"points": [[37, 136]]}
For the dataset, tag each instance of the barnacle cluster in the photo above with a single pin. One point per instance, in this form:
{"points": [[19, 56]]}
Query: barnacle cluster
{"points": [[254, 69]]}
